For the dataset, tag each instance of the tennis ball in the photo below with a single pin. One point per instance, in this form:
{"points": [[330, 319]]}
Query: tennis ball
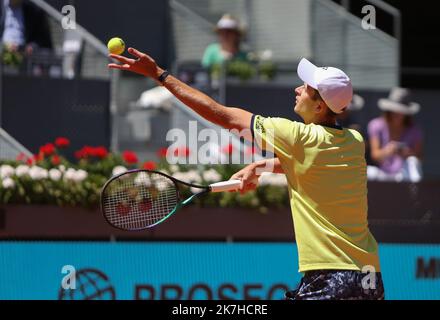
{"points": [[116, 46]]}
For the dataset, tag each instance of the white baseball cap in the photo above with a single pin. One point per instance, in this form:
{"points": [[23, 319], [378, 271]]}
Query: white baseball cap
{"points": [[333, 84]]}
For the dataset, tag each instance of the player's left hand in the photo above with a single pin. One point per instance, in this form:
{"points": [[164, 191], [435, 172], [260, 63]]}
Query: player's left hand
{"points": [[143, 64], [248, 178]]}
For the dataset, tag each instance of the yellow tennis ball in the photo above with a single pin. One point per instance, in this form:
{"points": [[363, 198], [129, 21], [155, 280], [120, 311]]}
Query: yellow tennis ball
{"points": [[116, 46]]}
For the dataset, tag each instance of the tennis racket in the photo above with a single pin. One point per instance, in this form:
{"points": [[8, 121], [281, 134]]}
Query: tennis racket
{"points": [[141, 199]]}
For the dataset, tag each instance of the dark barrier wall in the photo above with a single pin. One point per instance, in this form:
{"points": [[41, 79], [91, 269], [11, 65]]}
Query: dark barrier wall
{"points": [[36, 111], [278, 101], [398, 213], [142, 24]]}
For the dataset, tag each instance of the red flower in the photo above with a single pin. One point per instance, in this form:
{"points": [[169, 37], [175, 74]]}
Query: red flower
{"points": [[82, 153], [181, 152], [47, 150], [62, 142], [130, 157], [79, 154], [149, 165], [56, 160], [88, 151], [228, 149], [100, 152], [162, 152], [21, 157], [145, 206], [34, 159], [122, 210]]}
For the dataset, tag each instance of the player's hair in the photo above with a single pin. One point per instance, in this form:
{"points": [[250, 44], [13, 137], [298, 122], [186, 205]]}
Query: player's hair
{"points": [[317, 96]]}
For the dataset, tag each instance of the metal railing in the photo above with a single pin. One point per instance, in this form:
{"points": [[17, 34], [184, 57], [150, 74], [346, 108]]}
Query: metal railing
{"points": [[93, 47], [324, 31], [267, 25], [370, 57], [397, 24], [87, 36], [92, 51], [11, 148]]}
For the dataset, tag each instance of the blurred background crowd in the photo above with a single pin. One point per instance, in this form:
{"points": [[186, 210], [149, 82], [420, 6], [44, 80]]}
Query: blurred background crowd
{"points": [[233, 50]]}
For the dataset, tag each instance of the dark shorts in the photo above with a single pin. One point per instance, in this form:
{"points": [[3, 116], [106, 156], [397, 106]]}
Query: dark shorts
{"points": [[338, 285]]}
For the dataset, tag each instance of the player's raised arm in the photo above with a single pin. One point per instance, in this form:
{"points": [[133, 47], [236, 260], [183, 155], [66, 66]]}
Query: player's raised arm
{"points": [[227, 117]]}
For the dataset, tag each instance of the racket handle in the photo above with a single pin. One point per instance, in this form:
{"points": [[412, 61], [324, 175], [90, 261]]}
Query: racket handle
{"points": [[230, 185]]}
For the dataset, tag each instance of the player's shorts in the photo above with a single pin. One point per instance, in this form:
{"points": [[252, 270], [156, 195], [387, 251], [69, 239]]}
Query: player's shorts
{"points": [[338, 285]]}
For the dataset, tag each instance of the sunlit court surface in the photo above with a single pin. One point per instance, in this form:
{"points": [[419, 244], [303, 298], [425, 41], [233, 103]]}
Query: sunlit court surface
{"points": [[219, 158]]}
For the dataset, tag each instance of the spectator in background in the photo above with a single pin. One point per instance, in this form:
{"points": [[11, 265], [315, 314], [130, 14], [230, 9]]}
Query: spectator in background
{"points": [[395, 140], [24, 28], [228, 46]]}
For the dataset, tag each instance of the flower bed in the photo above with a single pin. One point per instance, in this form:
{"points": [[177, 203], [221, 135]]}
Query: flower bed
{"points": [[48, 178]]}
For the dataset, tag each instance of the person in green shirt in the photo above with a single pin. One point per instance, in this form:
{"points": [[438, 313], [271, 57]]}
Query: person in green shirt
{"points": [[228, 46]]}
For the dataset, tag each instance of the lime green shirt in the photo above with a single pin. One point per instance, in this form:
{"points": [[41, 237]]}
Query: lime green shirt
{"points": [[326, 173], [213, 55]]}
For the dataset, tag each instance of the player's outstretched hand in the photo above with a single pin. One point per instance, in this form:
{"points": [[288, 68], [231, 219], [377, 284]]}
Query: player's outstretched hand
{"points": [[248, 178], [143, 64]]}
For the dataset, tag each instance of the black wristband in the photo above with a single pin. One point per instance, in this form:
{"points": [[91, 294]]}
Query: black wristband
{"points": [[163, 76]]}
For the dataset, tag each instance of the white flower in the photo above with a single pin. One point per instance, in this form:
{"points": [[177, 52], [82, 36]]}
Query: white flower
{"points": [[118, 170], [273, 179], [34, 173], [180, 176], [62, 168], [70, 174], [211, 175], [80, 175], [21, 170], [55, 174], [75, 175], [174, 168], [38, 173], [142, 179], [8, 183], [193, 176], [6, 171], [163, 186], [44, 173]]}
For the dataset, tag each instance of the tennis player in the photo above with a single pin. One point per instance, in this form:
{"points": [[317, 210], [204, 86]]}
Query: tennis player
{"points": [[326, 172]]}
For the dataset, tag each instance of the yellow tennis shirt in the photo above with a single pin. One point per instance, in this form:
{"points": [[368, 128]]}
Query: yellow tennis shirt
{"points": [[326, 172]]}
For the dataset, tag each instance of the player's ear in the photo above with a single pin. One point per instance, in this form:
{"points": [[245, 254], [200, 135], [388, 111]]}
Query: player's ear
{"points": [[320, 106]]}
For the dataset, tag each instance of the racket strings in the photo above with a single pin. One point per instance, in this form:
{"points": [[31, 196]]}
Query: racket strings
{"points": [[139, 200]]}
